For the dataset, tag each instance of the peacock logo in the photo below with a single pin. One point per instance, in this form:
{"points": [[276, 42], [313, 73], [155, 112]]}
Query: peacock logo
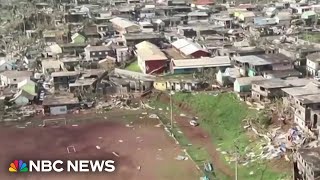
{"points": [[18, 166]]}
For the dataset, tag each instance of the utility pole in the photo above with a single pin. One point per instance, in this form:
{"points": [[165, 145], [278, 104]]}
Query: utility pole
{"points": [[171, 114], [236, 163], [236, 167]]}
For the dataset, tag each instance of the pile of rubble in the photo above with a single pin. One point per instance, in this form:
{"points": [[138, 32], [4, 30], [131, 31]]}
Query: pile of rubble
{"points": [[120, 102], [18, 114], [274, 145]]}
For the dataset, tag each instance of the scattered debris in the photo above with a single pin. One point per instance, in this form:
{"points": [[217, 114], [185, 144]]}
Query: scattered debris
{"points": [[275, 144], [158, 125], [153, 116], [286, 158], [20, 126], [116, 154], [121, 102], [208, 167], [128, 125], [193, 123], [180, 158]]}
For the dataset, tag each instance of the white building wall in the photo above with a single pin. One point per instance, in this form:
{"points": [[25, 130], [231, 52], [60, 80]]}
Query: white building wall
{"points": [[4, 80], [312, 67], [141, 64]]}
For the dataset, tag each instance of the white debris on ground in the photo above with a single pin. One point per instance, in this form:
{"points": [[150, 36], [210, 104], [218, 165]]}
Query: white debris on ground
{"points": [[116, 154], [274, 144], [120, 102], [146, 106], [158, 125], [98, 147], [153, 116], [180, 158]]}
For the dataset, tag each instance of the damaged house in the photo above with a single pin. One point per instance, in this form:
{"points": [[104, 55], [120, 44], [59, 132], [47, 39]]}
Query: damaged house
{"points": [[306, 164], [62, 79], [12, 78], [132, 39], [57, 105], [150, 58], [138, 82], [268, 89], [26, 93], [188, 48], [51, 65], [304, 100], [124, 26], [258, 64], [313, 64], [98, 52]]}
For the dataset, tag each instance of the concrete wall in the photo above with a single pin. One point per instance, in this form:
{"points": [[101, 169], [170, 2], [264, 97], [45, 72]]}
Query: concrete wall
{"points": [[313, 67], [282, 66], [159, 85], [58, 110]]}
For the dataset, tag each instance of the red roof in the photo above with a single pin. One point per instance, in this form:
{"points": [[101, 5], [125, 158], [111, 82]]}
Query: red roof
{"points": [[204, 2]]}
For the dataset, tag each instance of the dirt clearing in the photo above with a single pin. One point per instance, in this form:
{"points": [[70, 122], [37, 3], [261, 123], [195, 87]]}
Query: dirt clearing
{"points": [[141, 150]]}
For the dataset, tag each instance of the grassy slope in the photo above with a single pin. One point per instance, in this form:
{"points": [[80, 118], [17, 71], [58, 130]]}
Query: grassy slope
{"points": [[197, 153], [133, 67], [222, 117], [312, 37]]}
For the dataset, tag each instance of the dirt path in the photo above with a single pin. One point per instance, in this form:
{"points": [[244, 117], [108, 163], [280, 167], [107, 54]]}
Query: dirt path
{"points": [[197, 135]]}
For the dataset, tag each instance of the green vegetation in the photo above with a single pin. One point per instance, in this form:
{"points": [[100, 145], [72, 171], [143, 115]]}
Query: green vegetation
{"points": [[134, 67], [198, 154], [222, 116], [312, 37]]}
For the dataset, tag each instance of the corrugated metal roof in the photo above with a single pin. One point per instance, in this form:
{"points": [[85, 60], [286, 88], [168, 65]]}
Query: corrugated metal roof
{"points": [[187, 47], [254, 60], [248, 14], [202, 62], [148, 52], [248, 80], [180, 43], [123, 23]]}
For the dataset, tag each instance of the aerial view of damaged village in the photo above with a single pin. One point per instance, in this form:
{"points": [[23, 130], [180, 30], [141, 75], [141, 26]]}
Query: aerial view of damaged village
{"points": [[159, 90]]}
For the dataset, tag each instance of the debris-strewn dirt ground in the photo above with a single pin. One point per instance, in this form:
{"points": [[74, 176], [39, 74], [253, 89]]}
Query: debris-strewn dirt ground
{"points": [[142, 144], [198, 136]]}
